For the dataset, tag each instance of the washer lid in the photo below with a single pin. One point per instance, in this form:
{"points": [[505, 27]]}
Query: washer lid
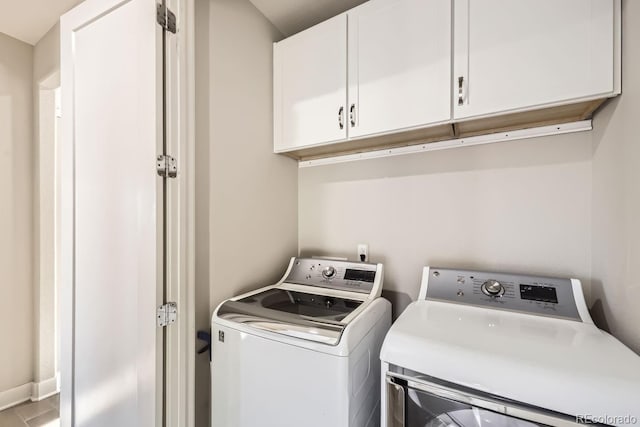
{"points": [[298, 314], [562, 365]]}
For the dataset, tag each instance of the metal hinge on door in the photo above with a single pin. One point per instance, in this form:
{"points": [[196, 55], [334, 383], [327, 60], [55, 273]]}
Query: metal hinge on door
{"points": [[167, 314], [166, 166], [166, 18]]}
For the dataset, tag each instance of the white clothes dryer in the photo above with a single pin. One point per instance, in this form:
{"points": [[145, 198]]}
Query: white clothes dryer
{"points": [[492, 349], [303, 352]]}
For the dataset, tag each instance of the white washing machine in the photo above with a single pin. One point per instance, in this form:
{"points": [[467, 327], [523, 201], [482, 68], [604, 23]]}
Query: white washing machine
{"points": [[303, 352], [490, 349]]}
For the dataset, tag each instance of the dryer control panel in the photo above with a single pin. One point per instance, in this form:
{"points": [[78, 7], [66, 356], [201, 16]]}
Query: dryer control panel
{"points": [[544, 296], [335, 274]]}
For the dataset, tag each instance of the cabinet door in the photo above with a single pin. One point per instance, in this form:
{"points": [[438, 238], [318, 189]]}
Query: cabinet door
{"points": [[511, 55], [310, 86], [399, 65]]}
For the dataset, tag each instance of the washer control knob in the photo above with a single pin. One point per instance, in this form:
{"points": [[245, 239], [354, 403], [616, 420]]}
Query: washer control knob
{"points": [[493, 288], [328, 272]]}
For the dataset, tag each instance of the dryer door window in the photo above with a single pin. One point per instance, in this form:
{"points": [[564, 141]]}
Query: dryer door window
{"points": [[416, 404], [424, 409]]}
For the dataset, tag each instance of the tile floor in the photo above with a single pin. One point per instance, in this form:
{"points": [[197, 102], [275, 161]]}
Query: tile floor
{"points": [[32, 414]]}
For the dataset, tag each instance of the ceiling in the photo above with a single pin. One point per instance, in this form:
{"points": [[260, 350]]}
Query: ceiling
{"points": [[292, 16], [29, 20]]}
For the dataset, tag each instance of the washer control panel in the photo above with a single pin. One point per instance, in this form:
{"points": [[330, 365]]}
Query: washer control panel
{"points": [[544, 296], [332, 274]]}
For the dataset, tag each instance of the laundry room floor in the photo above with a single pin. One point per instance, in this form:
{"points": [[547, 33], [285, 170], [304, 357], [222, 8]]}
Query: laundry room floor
{"points": [[44, 413]]}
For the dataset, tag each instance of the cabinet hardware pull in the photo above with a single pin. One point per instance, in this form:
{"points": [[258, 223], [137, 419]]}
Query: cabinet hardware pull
{"points": [[352, 115], [460, 90], [341, 117]]}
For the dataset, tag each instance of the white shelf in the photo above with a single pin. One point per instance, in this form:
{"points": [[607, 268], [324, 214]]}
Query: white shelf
{"points": [[580, 126]]}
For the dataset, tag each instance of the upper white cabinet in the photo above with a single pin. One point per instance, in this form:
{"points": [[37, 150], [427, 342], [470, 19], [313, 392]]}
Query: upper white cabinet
{"points": [[513, 55], [399, 65], [399, 69], [390, 73], [310, 86]]}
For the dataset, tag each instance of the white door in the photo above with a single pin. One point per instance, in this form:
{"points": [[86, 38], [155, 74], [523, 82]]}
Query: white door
{"points": [[399, 65], [310, 86], [112, 115], [512, 55]]}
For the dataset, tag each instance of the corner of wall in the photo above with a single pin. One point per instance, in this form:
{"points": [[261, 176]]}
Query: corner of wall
{"points": [[615, 197]]}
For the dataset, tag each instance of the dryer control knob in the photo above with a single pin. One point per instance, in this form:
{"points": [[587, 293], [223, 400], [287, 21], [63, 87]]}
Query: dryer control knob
{"points": [[493, 288], [328, 272]]}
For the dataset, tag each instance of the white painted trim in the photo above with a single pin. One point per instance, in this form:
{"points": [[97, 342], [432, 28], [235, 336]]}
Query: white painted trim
{"points": [[560, 129], [64, 259], [30, 391], [46, 388], [180, 355], [45, 241], [15, 396], [189, 205]]}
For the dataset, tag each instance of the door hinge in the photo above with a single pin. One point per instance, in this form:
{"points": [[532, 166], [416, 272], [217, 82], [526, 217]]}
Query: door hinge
{"points": [[166, 18], [166, 166], [167, 314]]}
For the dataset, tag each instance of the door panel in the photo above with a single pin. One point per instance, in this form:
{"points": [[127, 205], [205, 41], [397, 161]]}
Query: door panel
{"points": [[110, 79], [399, 65], [310, 86], [521, 54]]}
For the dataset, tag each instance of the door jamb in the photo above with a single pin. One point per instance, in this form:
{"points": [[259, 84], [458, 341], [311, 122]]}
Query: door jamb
{"points": [[181, 364], [46, 284]]}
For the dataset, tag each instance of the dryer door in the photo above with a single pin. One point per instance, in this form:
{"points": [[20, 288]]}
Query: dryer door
{"points": [[412, 403]]}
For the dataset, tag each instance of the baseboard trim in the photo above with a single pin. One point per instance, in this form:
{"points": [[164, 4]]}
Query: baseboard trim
{"points": [[30, 391], [15, 396], [46, 388]]}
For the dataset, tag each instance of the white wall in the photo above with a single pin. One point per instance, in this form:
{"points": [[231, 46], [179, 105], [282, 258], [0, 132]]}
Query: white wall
{"points": [[16, 214], [519, 206], [253, 192], [246, 221], [616, 196]]}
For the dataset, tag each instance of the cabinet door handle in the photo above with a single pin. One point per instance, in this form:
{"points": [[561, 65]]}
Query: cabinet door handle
{"points": [[460, 90], [341, 117], [352, 115]]}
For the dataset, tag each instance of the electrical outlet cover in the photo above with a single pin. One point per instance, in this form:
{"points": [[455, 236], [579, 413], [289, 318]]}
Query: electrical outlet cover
{"points": [[363, 249]]}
